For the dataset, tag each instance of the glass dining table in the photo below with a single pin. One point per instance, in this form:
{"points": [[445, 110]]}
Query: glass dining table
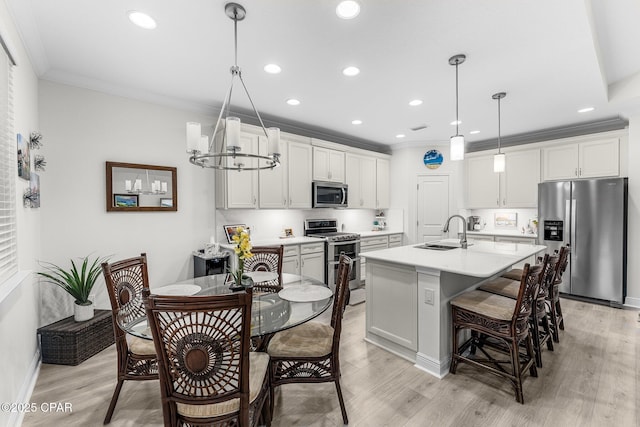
{"points": [[301, 299]]}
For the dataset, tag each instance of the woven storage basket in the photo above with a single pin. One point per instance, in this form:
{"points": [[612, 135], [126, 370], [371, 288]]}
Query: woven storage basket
{"points": [[68, 342]]}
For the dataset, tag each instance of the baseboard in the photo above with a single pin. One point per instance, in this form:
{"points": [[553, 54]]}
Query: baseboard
{"points": [[434, 367], [27, 389], [630, 302]]}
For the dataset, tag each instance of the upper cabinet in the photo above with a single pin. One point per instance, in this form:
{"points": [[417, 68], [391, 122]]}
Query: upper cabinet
{"points": [[361, 179], [589, 159], [328, 165], [516, 187], [288, 186], [382, 183], [237, 190]]}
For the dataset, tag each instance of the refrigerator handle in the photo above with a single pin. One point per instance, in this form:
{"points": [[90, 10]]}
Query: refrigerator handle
{"points": [[574, 223], [568, 237]]}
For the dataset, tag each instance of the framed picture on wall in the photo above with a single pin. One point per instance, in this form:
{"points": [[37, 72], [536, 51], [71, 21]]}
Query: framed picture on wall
{"points": [[125, 200], [230, 230], [34, 187], [24, 158]]}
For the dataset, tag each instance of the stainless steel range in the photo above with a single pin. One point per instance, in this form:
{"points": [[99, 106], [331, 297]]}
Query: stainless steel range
{"points": [[336, 243]]}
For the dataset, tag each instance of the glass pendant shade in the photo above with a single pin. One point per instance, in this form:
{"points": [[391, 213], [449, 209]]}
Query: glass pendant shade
{"points": [[499, 161], [457, 147]]}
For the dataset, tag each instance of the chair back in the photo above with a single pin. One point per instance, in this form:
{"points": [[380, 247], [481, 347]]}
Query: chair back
{"points": [[266, 258], [203, 345], [547, 276], [125, 281], [340, 297], [562, 264], [529, 285]]}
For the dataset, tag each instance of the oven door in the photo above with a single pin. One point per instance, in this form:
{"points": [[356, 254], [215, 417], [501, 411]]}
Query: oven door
{"points": [[350, 249]]}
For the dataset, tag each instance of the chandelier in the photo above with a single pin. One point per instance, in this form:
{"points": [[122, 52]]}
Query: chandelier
{"points": [[230, 156], [499, 159]]}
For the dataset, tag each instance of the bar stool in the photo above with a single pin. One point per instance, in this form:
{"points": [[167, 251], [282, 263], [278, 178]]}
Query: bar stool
{"points": [[539, 315], [500, 324], [553, 299]]}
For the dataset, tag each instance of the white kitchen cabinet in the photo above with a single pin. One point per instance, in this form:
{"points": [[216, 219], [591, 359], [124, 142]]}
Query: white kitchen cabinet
{"points": [[328, 165], [238, 190], [516, 187], [368, 244], [299, 174], [312, 265], [395, 240], [289, 185], [382, 183], [291, 259], [361, 178], [590, 159], [483, 184]]}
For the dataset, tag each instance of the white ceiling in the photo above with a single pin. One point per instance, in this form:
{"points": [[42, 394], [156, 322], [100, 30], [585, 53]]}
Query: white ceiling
{"points": [[551, 57]]}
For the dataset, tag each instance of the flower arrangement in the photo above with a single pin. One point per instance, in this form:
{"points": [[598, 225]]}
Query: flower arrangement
{"points": [[243, 251]]}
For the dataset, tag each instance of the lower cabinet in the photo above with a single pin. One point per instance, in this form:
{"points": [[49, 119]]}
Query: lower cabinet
{"points": [[375, 243], [305, 259]]}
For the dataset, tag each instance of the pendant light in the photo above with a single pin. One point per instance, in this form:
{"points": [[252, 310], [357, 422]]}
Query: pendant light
{"points": [[499, 159], [457, 141]]}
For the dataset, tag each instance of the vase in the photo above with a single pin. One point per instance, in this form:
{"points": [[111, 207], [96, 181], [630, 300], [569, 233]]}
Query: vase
{"points": [[82, 312]]}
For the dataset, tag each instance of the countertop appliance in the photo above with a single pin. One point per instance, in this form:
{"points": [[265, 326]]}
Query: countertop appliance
{"points": [[591, 216], [329, 194], [474, 223], [336, 243]]}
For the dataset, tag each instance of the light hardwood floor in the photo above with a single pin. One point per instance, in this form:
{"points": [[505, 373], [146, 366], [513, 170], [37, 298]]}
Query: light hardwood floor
{"points": [[591, 379]]}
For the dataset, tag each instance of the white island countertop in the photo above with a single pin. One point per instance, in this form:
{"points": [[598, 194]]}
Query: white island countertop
{"points": [[480, 259]]}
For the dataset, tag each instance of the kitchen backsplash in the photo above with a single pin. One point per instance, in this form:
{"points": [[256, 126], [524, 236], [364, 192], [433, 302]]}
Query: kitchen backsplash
{"points": [[270, 223], [523, 218]]}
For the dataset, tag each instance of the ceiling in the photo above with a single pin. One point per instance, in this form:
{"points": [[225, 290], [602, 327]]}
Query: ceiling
{"points": [[551, 57]]}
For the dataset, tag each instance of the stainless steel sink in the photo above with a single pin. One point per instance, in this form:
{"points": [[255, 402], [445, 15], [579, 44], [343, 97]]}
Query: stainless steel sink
{"points": [[436, 247]]}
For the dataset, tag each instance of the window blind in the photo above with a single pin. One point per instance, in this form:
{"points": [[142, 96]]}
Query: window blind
{"points": [[8, 173]]}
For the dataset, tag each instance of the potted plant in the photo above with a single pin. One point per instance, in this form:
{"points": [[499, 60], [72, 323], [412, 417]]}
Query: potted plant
{"points": [[243, 251], [78, 282]]}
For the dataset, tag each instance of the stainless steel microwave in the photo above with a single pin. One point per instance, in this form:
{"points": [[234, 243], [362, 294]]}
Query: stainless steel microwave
{"points": [[330, 195]]}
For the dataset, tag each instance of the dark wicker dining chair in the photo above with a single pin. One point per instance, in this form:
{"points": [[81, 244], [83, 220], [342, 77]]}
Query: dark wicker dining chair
{"points": [[266, 258], [208, 376], [125, 282], [309, 353], [497, 324]]}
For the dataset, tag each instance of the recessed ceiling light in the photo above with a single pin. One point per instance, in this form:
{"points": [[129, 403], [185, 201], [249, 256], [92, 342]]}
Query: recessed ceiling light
{"points": [[456, 122], [415, 102], [293, 101], [356, 122], [400, 135], [348, 9], [473, 132], [351, 71], [272, 68], [142, 20], [586, 110]]}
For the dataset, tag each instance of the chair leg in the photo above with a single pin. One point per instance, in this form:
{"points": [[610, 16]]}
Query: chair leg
{"points": [[114, 400], [559, 310], [342, 407], [554, 321], [546, 325], [517, 373], [454, 361], [533, 370], [535, 333]]}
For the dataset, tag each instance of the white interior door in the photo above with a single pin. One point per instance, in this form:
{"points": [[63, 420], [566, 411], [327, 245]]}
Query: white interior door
{"points": [[433, 206]]}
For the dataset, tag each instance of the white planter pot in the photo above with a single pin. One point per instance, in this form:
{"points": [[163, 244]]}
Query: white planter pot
{"points": [[82, 312]]}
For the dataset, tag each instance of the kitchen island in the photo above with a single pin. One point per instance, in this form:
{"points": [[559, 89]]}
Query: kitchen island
{"points": [[408, 290]]}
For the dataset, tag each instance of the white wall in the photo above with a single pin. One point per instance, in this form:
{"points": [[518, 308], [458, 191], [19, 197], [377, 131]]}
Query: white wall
{"points": [[633, 232], [19, 311], [83, 129], [406, 164]]}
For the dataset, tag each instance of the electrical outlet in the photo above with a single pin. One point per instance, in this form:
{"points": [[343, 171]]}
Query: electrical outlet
{"points": [[428, 296]]}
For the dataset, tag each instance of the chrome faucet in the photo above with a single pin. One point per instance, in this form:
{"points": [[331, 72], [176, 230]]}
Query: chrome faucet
{"points": [[463, 241]]}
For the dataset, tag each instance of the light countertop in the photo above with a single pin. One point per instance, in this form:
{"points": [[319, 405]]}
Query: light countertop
{"points": [[277, 241], [371, 233], [481, 259]]}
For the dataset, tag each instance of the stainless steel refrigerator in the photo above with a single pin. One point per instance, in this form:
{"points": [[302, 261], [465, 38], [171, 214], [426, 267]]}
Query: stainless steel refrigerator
{"points": [[591, 216]]}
